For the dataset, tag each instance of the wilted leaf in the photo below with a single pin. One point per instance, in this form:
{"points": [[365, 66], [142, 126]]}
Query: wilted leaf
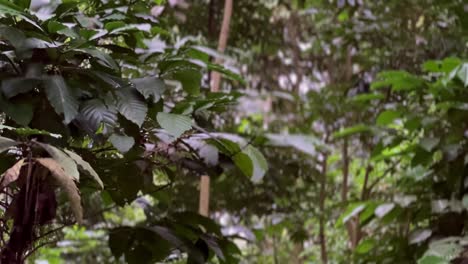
{"points": [[67, 183], [11, 174]]}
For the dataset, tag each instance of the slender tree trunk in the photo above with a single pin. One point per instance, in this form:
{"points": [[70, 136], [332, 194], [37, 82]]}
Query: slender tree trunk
{"points": [[204, 201], [323, 242], [222, 43]]}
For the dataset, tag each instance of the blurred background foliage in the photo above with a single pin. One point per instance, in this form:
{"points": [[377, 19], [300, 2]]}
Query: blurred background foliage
{"points": [[339, 135]]}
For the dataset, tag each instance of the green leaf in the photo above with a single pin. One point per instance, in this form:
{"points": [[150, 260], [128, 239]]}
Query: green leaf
{"points": [[307, 144], [361, 128], [26, 131], [101, 56], [398, 80], [429, 259], [6, 143], [15, 86], [131, 105], [428, 143], [122, 143], [120, 239], [365, 246], [97, 114], [252, 163], [24, 3], [353, 209], [85, 166], [22, 114], [367, 97], [463, 74], [8, 8], [110, 26], [61, 98], [67, 163], [387, 117], [150, 87], [190, 79], [175, 125]]}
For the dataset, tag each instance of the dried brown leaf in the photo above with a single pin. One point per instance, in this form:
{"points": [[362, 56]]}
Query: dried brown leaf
{"points": [[67, 183], [11, 174]]}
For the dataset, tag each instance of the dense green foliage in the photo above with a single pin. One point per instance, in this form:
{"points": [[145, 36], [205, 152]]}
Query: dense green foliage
{"points": [[339, 135]]}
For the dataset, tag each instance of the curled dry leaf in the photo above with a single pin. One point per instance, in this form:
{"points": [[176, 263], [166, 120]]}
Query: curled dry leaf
{"points": [[11, 174], [67, 183]]}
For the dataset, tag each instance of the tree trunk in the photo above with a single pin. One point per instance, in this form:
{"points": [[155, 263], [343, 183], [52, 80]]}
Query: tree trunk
{"points": [[204, 201], [323, 242]]}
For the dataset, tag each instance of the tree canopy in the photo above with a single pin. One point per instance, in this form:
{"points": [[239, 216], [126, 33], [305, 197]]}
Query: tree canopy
{"points": [[338, 132]]}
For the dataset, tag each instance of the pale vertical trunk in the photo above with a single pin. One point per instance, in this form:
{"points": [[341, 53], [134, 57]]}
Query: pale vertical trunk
{"points": [[323, 242], [204, 202]]}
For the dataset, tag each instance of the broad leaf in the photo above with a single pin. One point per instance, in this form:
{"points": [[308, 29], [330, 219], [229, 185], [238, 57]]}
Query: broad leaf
{"points": [[174, 124], [6, 143], [67, 163], [85, 166], [15, 86], [122, 143], [22, 114], [101, 56], [67, 183], [150, 87], [463, 74], [131, 105], [252, 163], [95, 113], [387, 117], [345, 132], [61, 98]]}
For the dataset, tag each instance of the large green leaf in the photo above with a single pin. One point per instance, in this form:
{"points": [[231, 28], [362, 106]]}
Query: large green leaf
{"points": [[121, 142], [26, 131], [15, 86], [174, 124], [67, 163], [398, 80], [463, 74], [349, 131], [85, 166], [190, 80], [8, 8], [6, 143], [387, 117], [61, 98], [252, 163], [150, 87], [131, 105], [22, 114], [97, 114], [103, 57]]}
